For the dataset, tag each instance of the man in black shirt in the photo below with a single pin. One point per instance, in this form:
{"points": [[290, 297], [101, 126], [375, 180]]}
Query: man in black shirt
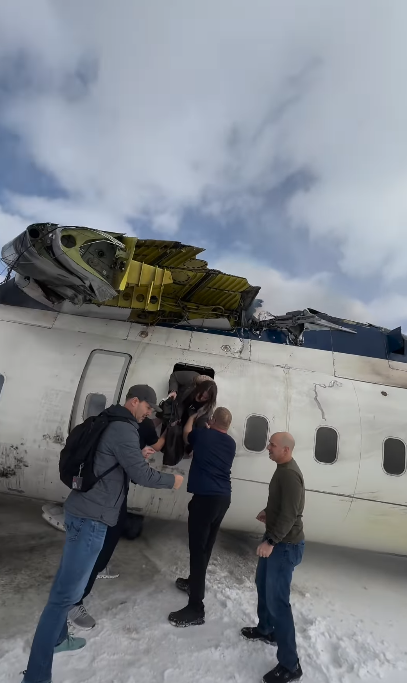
{"points": [[210, 483], [149, 444]]}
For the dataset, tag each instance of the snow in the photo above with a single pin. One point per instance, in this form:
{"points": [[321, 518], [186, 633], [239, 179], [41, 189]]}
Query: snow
{"points": [[350, 610]]}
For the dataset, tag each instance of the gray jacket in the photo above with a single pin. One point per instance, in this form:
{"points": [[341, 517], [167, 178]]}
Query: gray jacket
{"points": [[119, 443]]}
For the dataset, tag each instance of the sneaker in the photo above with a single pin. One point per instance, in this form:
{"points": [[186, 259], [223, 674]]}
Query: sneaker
{"points": [[282, 675], [186, 617], [183, 585], [80, 617], [107, 574], [70, 644], [253, 633]]}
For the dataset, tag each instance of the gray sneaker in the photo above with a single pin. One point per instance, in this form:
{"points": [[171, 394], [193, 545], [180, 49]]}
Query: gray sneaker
{"points": [[79, 617]]}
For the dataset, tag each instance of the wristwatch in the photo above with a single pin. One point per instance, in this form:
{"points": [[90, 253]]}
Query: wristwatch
{"points": [[270, 541]]}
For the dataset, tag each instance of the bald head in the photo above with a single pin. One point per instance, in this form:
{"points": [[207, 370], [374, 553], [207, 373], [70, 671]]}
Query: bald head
{"points": [[221, 419], [281, 447]]}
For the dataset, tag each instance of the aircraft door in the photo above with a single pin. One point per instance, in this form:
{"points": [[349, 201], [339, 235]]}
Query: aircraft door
{"points": [[100, 385]]}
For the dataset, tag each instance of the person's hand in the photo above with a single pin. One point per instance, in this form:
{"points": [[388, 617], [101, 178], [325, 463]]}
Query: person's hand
{"points": [[261, 517], [264, 549], [147, 451], [178, 481], [173, 395]]}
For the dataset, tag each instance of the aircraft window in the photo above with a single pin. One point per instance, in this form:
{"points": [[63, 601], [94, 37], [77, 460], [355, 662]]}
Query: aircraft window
{"points": [[326, 445], [94, 405], [394, 457], [202, 369], [1, 382], [256, 432]]}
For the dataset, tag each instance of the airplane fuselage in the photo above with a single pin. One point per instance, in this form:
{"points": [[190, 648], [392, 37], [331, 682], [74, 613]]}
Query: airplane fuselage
{"points": [[346, 412]]}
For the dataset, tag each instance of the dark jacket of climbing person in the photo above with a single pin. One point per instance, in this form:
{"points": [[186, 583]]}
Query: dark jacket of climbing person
{"points": [[194, 394]]}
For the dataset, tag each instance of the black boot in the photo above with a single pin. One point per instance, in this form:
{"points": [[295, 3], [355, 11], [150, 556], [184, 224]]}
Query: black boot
{"points": [[183, 585], [253, 633], [282, 675], [189, 616]]}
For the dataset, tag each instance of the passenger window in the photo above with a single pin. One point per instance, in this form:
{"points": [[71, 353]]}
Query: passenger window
{"points": [[1, 382], [326, 445], [94, 405], [256, 432], [394, 457]]}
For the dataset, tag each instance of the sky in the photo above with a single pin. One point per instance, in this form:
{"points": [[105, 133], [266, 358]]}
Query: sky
{"points": [[272, 134]]}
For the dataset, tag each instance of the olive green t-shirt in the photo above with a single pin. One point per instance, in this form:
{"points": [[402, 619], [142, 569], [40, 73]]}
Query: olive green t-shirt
{"points": [[285, 505]]}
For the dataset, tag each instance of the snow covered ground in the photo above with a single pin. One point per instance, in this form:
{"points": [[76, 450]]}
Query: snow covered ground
{"points": [[350, 610]]}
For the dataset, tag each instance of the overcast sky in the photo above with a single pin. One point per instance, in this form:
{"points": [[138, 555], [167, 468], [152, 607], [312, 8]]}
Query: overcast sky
{"points": [[274, 134]]}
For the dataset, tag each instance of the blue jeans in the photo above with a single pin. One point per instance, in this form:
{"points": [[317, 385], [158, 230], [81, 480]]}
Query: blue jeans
{"points": [[273, 581], [83, 543]]}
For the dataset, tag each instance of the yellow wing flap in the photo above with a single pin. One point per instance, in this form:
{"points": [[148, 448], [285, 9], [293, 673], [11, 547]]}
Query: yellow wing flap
{"points": [[165, 281]]}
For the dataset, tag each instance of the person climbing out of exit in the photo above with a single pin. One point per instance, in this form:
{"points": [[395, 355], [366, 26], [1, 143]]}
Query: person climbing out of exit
{"points": [[189, 394]]}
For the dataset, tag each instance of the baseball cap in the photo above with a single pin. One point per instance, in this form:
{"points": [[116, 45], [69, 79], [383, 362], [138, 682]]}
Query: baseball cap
{"points": [[144, 393]]}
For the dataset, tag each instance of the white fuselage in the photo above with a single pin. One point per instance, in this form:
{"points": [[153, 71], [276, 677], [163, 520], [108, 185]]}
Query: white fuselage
{"points": [[54, 365]]}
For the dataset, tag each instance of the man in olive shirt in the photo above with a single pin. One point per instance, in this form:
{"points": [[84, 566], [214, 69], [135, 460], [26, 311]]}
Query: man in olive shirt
{"points": [[279, 553]]}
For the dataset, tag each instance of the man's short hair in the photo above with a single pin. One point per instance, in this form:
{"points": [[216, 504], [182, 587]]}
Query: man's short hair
{"points": [[222, 417]]}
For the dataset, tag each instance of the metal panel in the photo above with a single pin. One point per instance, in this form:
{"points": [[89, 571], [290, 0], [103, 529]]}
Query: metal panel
{"points": [[382, 416], [114, 329], [320, 401], [365, 369], [163, 336], [265, 394], [222, 345], [104, 373], [27, 316], [292, 357]]}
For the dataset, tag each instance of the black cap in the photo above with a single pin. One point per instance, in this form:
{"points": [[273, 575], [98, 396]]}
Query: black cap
{"points": [[144, 393]]}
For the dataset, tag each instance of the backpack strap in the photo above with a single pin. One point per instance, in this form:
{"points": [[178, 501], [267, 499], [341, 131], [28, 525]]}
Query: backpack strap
{"points": [[104, 474], [101, 476]]}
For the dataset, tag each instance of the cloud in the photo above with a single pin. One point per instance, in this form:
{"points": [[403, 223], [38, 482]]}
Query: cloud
{"points": [[148, 110]]}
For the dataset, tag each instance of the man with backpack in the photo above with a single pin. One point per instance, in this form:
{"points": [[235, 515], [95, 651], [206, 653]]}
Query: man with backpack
{"points": [[99, 457], [79, 616]]}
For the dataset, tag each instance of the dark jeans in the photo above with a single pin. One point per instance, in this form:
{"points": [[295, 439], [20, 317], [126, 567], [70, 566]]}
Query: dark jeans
{"points": [[205, 517], [83, 541], [112, 538], [273, 581]]}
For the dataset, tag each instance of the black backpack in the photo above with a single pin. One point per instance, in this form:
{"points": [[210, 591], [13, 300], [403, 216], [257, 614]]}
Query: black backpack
{"points": [[77, 457]]}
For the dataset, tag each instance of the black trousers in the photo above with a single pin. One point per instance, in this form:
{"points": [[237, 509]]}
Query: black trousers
{"points": [[205, 517], [112, 537]]}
